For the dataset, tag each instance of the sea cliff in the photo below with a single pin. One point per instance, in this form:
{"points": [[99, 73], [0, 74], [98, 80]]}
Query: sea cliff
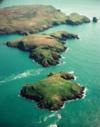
{"points": [[44, 49], [51, 92]]}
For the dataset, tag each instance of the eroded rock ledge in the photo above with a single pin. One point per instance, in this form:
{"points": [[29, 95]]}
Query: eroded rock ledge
{"points": [[44, 49], [35, 18], [53, 91]]}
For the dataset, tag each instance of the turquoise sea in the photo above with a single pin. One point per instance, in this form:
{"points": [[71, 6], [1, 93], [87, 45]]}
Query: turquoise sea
{"points": [[82, 58]]}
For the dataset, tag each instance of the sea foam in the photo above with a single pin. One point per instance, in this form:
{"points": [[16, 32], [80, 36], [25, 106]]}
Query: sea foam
{"points": [[24, 74], [52, 125], [49, 116]]}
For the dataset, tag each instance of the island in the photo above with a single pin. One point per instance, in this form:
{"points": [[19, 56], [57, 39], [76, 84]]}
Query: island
{"points": [[29, 19], [44, 49], [51, 92]]}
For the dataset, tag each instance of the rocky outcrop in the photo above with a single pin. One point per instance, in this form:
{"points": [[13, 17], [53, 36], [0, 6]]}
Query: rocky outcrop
{"points": [[95, 19], [62, 35], [52, 92], [44, 49], [66, 76], [76, 19]]}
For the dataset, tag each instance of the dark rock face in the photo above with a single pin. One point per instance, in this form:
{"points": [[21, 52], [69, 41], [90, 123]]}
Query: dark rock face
{"points": [[62, 35], [95, 19], [44, 49], [53, 91], [67, 76]]}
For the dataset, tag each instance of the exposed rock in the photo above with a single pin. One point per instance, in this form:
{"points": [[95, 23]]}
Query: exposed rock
{"points": [[53, 91], [44, 49], [76, 19], [62, 35], [95, 19], [67, 76]]}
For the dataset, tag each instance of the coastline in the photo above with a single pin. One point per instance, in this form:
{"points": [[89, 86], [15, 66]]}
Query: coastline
{"points": [[82, 58], [83, 97]]}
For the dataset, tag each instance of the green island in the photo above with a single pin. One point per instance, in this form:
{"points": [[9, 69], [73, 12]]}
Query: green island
{"points": [[51, 92], [44, 49], [35, 18]]}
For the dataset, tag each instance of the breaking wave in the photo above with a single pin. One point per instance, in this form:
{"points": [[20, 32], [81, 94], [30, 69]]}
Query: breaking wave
{"points": [[61, 63], [55, 115], [49, 116], [24, 74], [71, 72], [53, 125], [84, 94]]}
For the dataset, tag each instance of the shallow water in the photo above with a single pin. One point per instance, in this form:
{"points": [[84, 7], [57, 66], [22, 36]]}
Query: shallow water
{"points": [[83, 57]]}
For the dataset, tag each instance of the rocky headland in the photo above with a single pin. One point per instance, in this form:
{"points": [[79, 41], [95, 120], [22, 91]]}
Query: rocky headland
{"points": [[51, 92], [29, 19], [44, 49], [77, 19]]}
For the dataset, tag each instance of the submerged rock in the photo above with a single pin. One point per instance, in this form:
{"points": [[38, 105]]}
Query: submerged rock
{"points": [[44, 49], [53, 91]]}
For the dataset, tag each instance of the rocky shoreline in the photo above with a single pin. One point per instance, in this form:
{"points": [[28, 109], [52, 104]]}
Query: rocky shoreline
{"points": [[44, 49], [52, 92], [30, 19]]}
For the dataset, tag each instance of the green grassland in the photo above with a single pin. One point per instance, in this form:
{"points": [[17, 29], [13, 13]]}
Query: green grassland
{"points": [[51, 92]]}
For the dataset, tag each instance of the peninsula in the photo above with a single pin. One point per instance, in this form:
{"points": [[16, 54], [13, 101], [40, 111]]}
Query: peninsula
{"points": [[44, 49], [51, 92], [35, 18]]}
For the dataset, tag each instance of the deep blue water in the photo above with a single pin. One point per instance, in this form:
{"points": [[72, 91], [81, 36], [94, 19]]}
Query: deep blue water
{"points": [[83, 57]]}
